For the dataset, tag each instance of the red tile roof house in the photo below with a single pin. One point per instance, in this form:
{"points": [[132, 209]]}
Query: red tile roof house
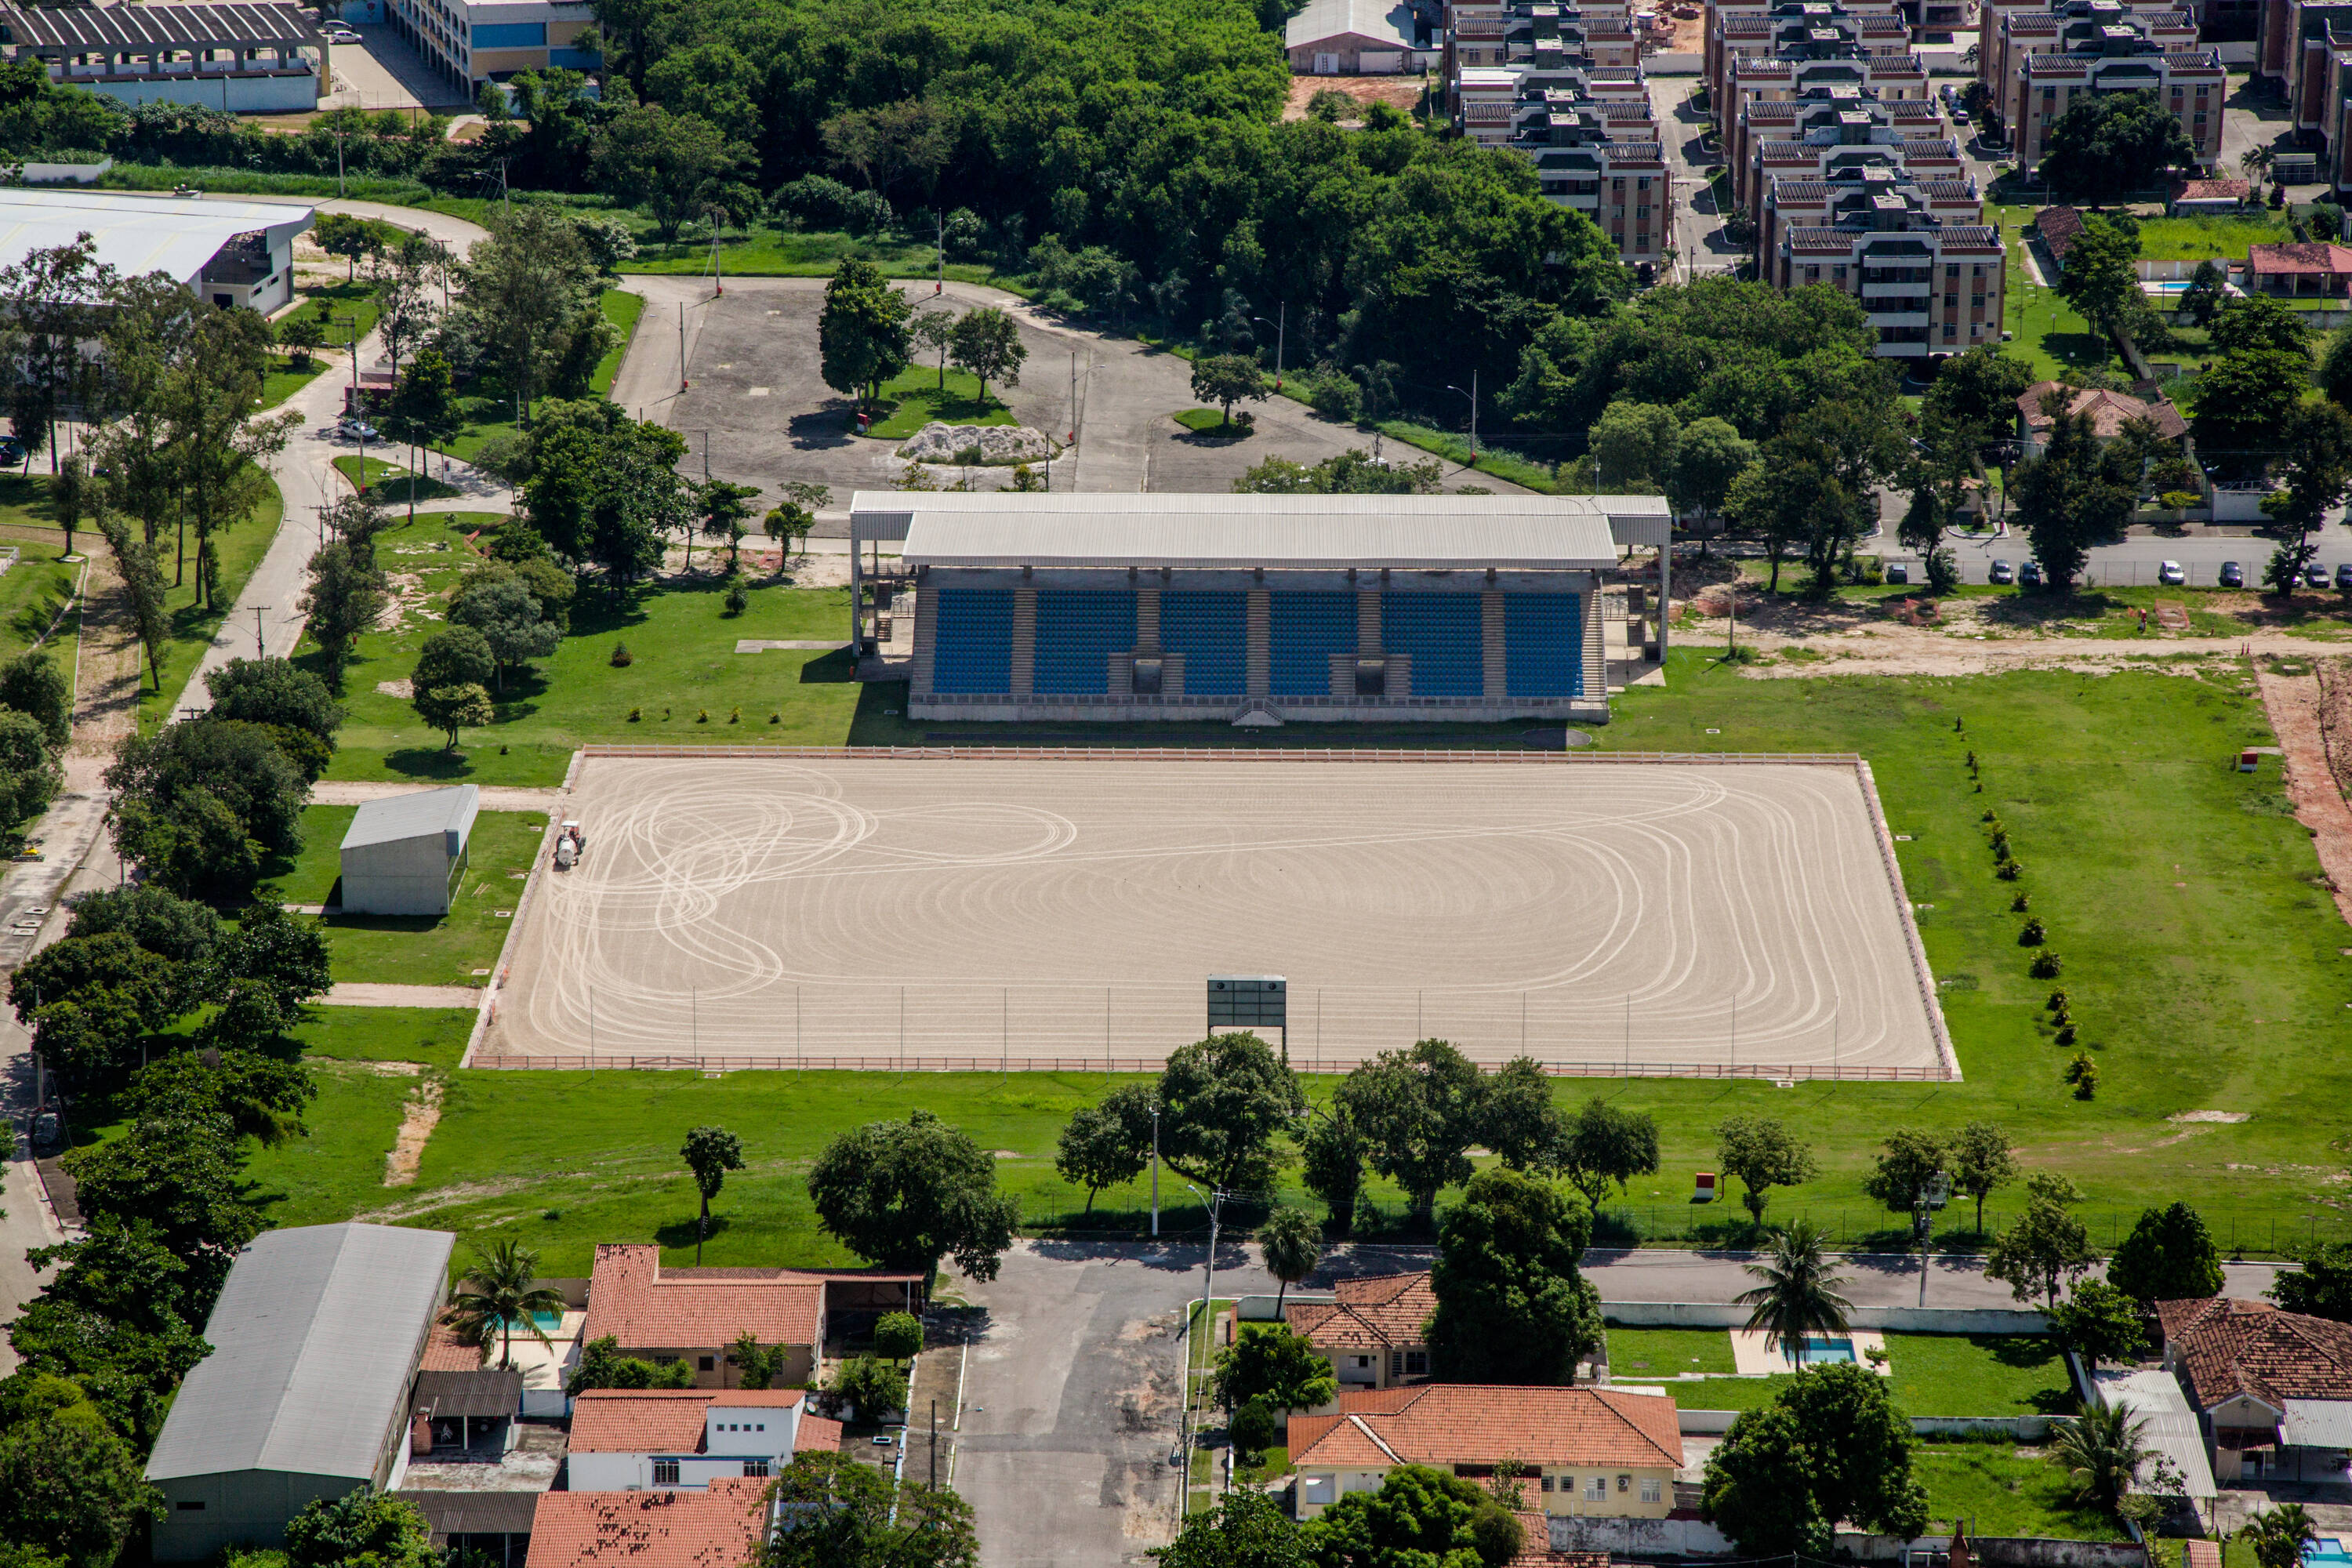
{"points": [[2273, 1389], [636, 1439], [716, 1528], [2109, 412], [1588, 1451], [2314, 268], [1373, 1331], [693, 1314], [2194, 196], [2059, 227]]}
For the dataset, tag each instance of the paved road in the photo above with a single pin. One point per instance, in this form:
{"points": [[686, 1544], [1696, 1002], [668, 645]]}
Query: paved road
{"points": [[2135, 560], [1071, 1397], [758, 410]]}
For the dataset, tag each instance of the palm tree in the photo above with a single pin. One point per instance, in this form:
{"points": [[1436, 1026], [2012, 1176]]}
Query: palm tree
{"points": [[2101, 1451], [1798, 1293], [2255, 160], [2279, 1536], [1292, 1246], [496, 1292]]}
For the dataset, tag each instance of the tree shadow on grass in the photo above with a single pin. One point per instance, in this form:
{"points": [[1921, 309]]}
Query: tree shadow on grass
{"points": [[680, 1232], [2040, 608], [428, 763], [830, 668]]}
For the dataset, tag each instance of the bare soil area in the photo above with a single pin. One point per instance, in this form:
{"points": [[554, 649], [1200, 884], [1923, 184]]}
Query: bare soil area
{"points": [[1399, 91], [2312, 716]]}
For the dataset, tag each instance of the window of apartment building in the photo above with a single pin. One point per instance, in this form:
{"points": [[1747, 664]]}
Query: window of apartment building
{"points": [[1951, 301], [1642, 184], [1642, 242], [665, 1472], [1642, 214], [1617, 185], [1951, 328], [1651, 1490], [1546, 1483], [1416, 1363], [1596, 1489], [1812, 274], [1837, 274], [755, 1470]]}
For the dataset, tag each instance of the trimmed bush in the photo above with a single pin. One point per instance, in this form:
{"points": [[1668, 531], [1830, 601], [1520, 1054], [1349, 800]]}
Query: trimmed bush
{"points": [[2022, 902], [2046, 966], [898, 1336], [622, 658], [2083, 1074], [2031, 933]]}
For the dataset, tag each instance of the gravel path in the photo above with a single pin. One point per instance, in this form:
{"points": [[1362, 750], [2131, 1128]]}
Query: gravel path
{"points": [[356, 994]]}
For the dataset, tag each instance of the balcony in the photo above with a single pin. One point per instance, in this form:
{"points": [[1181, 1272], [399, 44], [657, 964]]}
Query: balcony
{"points": [[1914, 315]]}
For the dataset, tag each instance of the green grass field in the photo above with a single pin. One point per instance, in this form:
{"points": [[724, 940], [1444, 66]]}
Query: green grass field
{"points": [[41, 582], [1933, 1374], [416, 950], [433, 1037], [489, 411], [1211, 422], [241, 549], [2197, 238], [343, 307], [1999, 1489], [916, 399], [282, 381], [391, 483]]}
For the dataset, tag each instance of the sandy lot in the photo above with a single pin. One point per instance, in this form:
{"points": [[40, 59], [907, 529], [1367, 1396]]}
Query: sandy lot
{"points": [[1070, 909]]}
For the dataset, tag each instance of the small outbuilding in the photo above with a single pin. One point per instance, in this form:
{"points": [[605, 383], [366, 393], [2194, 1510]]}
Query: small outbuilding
{"points": [[403, 855], [1347, 37]]}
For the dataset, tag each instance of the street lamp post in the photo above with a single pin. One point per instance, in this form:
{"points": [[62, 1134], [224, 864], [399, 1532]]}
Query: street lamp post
{"points": [[1473, 395], [1281, 326]]}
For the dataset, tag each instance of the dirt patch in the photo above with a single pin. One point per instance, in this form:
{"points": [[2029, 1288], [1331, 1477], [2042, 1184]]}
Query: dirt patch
{"points": [[400, 689], [2208, 1116], [2296, 704], [1399, 91], [415, 1127]]}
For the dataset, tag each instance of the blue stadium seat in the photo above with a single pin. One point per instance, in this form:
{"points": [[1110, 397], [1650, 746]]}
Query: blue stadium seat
{"points": [[1305, 627], [972, 645], [1078, 631], [1440, 631], [1210, 626], [1543, 644]]}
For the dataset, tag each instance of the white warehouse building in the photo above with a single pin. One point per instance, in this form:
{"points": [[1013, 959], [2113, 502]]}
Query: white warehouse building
{"points": [[405, 855], [231, 251]]}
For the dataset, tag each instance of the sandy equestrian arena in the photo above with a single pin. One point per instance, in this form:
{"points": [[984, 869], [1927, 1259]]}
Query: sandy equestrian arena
{"points": [[934, 910]]}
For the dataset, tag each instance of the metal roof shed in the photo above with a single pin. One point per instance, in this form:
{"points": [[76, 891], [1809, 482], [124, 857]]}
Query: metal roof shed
{"points": [[316, 1338], [404, 854], [2172, 1431]]}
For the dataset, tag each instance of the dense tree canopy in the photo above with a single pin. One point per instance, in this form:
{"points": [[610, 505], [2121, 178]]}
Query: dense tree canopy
{"points": [[1830, 1450], [1511, 1307]]}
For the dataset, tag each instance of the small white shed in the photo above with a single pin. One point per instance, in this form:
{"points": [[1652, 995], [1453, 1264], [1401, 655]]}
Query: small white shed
{"points": [[403, 855]]}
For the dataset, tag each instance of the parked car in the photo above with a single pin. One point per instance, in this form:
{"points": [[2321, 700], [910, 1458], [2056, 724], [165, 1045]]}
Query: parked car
{"points": [[11, 449], [2002, 571], [2169, 574], [2344, 576], [2232, 574], [336, 33], [2029, 574], [1898, 572], [2314, 575], [357, 429]]}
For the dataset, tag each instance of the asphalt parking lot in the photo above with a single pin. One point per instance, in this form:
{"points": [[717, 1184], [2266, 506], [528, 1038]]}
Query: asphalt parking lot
{"points": [[760, 409]]}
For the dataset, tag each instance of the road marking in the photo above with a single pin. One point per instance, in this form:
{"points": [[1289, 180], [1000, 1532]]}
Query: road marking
{"points": [[757, 392]]}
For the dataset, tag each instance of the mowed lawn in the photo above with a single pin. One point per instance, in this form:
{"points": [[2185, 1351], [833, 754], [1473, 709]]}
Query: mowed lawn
{"points": [[241, 548], [1932, 1375], [2202, 955], [416, 950]]}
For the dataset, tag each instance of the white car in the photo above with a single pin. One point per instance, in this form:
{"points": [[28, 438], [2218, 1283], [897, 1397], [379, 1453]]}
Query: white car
{"points": [[339, 35], [357, 429], [2169, 574]]}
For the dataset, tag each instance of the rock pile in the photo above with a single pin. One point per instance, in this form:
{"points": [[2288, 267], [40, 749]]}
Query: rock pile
{"points": [[978, 443]]}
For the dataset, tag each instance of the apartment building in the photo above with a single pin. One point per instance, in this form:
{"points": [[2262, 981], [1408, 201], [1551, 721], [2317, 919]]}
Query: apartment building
{"points": [[1588, 126], [2291, 43], [2036, 61], [489, 40], [1740, 27], [1862, 183], [1794, 137], [1930, 287], [1503, 32]]}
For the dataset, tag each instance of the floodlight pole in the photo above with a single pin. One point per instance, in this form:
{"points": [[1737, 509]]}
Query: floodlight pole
{"points": [[258, 651], [1155, 1171]]}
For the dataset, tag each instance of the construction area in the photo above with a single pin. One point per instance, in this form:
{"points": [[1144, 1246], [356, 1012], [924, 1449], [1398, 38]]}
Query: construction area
{"points": [[978, 909]]}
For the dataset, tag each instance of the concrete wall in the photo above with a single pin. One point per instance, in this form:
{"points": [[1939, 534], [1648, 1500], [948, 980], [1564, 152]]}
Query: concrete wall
{"points": [[1715, 1423], [1690, 1538], [292, 93], [39, 174], [409, 877], [204, 1513], [1639, 1537], [635, 1472], [1901, 1320]]}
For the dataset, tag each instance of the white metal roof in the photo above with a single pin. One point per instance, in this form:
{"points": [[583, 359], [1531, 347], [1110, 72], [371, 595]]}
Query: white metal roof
{"points": [[424, 813], [1280, 532], [2171, 1430], [314, 1338], [137, 235], [1383, 19], [2316, 1424], [154, 25]]}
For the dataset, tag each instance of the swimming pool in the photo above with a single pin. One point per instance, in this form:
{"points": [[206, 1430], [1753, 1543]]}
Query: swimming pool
{"points": [[1820, 1350], [2326, 1549], [548, 1323]]}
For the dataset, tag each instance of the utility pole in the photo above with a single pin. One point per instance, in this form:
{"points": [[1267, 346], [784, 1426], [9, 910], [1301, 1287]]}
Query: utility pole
{"points": [[682, 381], [1155, 1171], [935, 1445], [258, 652], [940, 284]]}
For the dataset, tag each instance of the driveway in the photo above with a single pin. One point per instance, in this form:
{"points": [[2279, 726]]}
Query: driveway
{"points": [[382, 71], [1071, 1397], [759, 413]]}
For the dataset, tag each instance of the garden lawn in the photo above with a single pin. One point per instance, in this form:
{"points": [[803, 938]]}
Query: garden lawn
{"points": [[391, 482], [1210, 422], [192, 625], [2198, 238], [41, 584], [282, 381], [416, 950], [1998, 1489], [489, 411], [916, 399], [342, 306], [1636, 1353]]}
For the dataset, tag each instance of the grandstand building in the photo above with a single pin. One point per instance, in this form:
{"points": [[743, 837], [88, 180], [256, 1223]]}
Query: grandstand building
{"points": [[1253, 608]]}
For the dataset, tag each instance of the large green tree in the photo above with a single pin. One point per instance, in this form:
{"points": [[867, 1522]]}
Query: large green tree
{"points": [[2047, 1246], [72, 1491], [2321, 1286], [1106, 1145], [863, 338], [1273, 1364], [2112, 144], [833, 1510], [1419, 1518], [181, 1176], [1419, 1112], [1511, 1306], [1830, 1450], [709, 1152], [2169, 1256], [904, 1194], [1223, 1102], [1760, 1153], [364, 1525], [1246, 1530], [2077, 492], [678, 165]]}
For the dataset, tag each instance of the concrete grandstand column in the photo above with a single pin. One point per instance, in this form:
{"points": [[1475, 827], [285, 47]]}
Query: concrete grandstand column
{"points": [[1024, 641], [1259, 663]]}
